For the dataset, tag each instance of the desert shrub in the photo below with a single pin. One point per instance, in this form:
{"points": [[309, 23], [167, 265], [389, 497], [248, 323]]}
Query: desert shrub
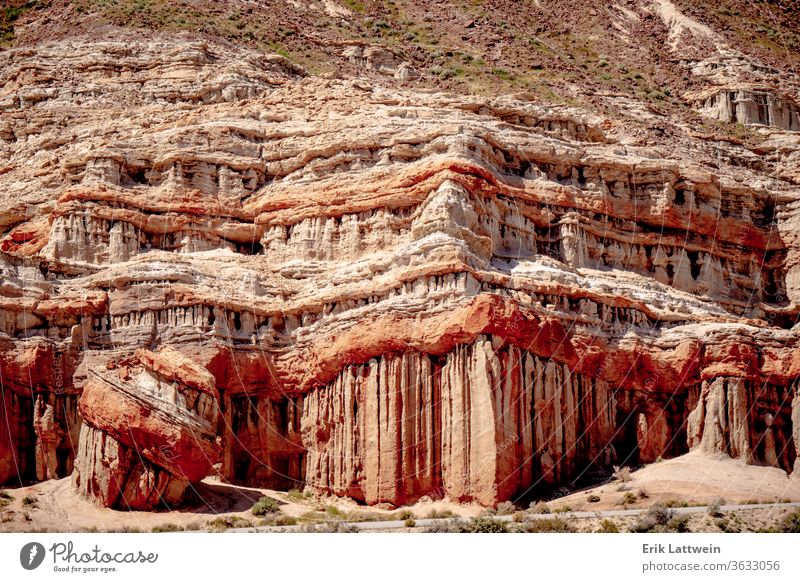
{"points": [[29, 501], [337, 527], [506, 508], [519, 516], [481, 524], [660, 513], [265, 505], [540, 507], [334, 512], [715, 507], [593, 498], [607, 526], [410, 523], [487, 525], [678, 524], [622, 474], [229, 521], [645, 524], [284, 520], [277, 519], [439, 514], [361, 516], [548, 525], [643, 494], [454, 525], [661, 519], [5, 498], [405, 515], [727, 526], [297, 495], [629, 498], [317, 516], [166, 527], [791, 523]]}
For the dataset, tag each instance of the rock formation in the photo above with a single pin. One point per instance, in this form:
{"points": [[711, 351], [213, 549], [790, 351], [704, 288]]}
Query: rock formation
{"points": [[149, 430], [750, 106], [376, 292]]}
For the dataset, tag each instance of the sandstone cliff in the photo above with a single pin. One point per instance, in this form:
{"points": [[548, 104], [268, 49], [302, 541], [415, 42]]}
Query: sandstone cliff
{"points": [[214, 261]]}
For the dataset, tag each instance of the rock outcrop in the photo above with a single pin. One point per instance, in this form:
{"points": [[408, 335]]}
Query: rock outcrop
{"points": [[149, 430], [371, 291], [752, 107]]}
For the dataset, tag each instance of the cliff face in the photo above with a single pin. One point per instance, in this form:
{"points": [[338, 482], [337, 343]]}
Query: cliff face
{"points": [[215, 262]]}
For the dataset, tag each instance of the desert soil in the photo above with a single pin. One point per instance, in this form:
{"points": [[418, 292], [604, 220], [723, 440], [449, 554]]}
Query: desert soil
{"points": [[688, 480]]}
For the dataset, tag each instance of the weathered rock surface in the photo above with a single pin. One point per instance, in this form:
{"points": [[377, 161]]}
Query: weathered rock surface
{"points": [[149, 430], [374, 292], [751, 106]]}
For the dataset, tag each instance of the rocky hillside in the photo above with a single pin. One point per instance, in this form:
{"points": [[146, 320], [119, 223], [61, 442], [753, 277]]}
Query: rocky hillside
{"points": [[388, 250]]}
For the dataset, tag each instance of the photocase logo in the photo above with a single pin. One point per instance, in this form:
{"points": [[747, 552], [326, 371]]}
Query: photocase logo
{"points": [[31, 555]]}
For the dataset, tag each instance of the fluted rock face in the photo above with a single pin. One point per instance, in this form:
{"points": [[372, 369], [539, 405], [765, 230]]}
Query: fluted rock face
{"points": [[149, 430], [485, 421], [751, 106], [736, 419], [374, 292]]}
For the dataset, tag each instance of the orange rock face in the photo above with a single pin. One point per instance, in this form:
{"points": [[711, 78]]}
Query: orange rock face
{"points": [[158, 418], [381, 294]]}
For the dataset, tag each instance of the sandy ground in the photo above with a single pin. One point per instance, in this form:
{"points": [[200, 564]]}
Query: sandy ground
{"points": [[58, 508], [692, 479], [688, 480]]}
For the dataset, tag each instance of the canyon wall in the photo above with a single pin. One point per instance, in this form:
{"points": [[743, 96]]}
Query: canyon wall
{"points": [[292, 282]]}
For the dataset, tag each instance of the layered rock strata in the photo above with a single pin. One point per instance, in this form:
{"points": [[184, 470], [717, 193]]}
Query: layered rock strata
{"points": [[373, 292]]}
